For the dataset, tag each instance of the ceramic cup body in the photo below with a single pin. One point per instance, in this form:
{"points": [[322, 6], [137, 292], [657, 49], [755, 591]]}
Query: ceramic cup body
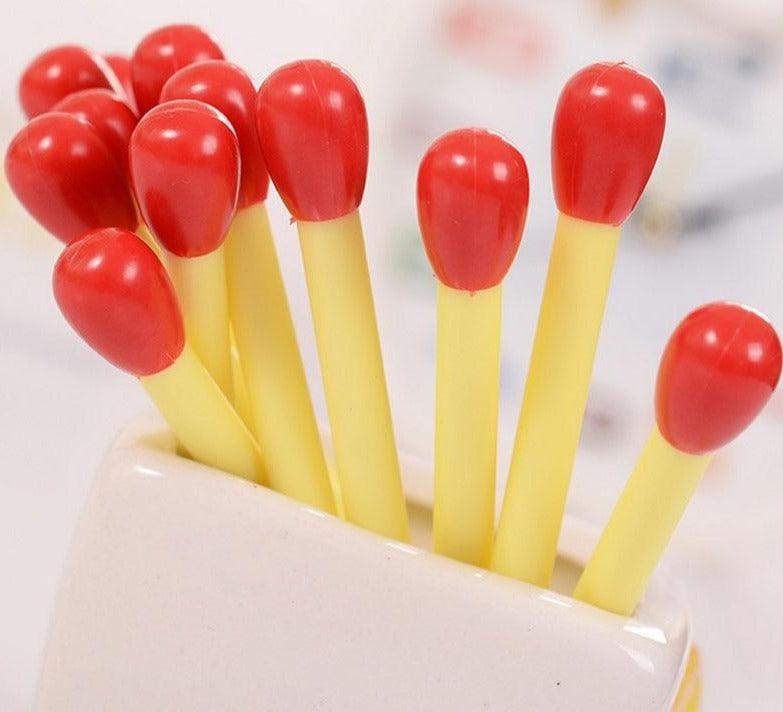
{"points": [[186, 588]]}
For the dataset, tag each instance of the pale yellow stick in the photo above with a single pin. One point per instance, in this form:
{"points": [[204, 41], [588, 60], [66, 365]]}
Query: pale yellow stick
{"points": [[689, 695], [466, 413], [200, 283], [572, 308], [144, 233], [640, 526], [349, 350], [202, 419], [283, 418], [239, 387]]}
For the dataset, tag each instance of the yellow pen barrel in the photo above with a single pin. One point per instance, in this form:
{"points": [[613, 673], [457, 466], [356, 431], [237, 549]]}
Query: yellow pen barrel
{"points": [[202, 419], [550, 420], [238, 386], [282, 412], [349, 351], [200, 283], [689, 695], [640, 526], [466, 413], [144, 233]]}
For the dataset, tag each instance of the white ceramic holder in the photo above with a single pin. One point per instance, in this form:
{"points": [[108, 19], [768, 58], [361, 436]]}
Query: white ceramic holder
{"points": [[189, 589]]}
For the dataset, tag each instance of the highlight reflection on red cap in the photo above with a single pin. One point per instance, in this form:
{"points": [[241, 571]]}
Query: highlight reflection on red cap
{"points": [[116, 295], [60, 71], [226, 87], [184, 161], [162, 53], [109, 114], [312, 125], [67, 178], [606, 136], [120, 65], [718, 370], [473, 196]]}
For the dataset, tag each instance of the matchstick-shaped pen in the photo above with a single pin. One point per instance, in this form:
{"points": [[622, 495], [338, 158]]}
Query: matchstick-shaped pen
{"points": [[312, 125], [282, 413], [116, 295], [718, 371], [184, 162], [606, 135], [472, 196]]}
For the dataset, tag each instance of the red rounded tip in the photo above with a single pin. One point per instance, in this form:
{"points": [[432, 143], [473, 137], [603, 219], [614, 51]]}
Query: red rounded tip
{"points": [[162, 53], [226, 87], [606, 136], [109, 114], [313, 130], [472, 195], [60, 71], [67, 178], [184, 162], [717, 372], [116, 295], [120, 65]]}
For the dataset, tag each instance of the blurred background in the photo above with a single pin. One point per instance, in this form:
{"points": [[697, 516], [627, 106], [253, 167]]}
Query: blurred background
{"points": [[709, 227]]}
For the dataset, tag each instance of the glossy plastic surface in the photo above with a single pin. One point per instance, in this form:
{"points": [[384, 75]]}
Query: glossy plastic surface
{"points": [[641, 525], [184, 161], [226, 87], [120, 65], [271, 364], [60, 71], [472, 196], [349, 353], [467, 386], [109, 114], [116, 294], [67, 178], [606, 135], [162, 53], [202, 419], [717, 372], [554, 400], [313, 130]]}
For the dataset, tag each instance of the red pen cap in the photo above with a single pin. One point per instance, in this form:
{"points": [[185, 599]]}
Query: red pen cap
{"points": [[472, 195], [313, 130], [60, 71], [718, 370], [606, 136], [67, 178], [115, 293], [120, 65], [109, 114], [226, 87], [184, 162], [162, 53]]}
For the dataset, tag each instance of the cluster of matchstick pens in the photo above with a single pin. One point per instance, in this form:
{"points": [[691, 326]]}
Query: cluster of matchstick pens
{"points": [[154, 172]]}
